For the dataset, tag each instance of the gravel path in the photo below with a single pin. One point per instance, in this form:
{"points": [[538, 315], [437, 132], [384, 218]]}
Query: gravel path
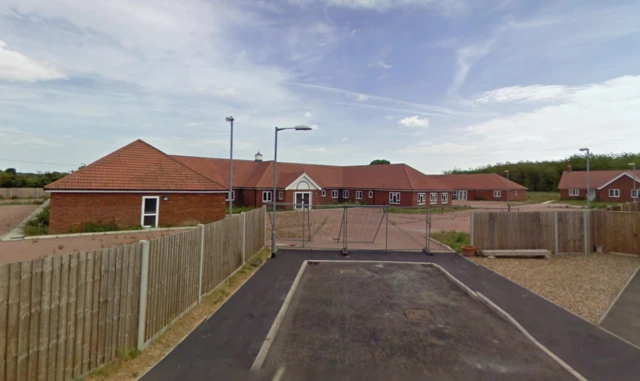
{"points": [[584, 285]]}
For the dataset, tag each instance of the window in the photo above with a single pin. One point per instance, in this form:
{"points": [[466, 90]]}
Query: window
{"points": [[334, 193], [370, 194], [358, 195], [422, 198], [433, 198], [150, 208], [394, 197], [233, 196], [574, 192], [635, 193], [614, 193], [497, 194], [444, 197], [345, 193], [324, 193], [454, 195], [267, 196], [280, 195]]}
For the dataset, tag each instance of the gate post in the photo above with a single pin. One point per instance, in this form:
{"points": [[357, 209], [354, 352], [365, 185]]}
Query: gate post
{"points": [[345, 250], [386, 228]]}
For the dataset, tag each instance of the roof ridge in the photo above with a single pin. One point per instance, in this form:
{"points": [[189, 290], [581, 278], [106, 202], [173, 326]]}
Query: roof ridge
{"points": [[183, 165], [408, 176]]}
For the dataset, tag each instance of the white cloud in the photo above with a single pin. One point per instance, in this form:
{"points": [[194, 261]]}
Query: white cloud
{"points": [[308, 114], [524, 93], [345, 139], [380, 65], [362, 97], [20, 68], [414, 121], [444, 6]]}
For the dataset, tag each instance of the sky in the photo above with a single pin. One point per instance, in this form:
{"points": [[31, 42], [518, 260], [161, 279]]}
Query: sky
{"points": [[434, 84]]}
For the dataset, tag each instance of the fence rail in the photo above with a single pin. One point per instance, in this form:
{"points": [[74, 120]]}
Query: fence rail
{"points": [[22, 192], [558, 232], [61, 317], [626, 207]]}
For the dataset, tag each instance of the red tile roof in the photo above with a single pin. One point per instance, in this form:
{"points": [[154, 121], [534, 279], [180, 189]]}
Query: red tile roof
{"points": [[137, 166], [483, 181], [578, 179]]}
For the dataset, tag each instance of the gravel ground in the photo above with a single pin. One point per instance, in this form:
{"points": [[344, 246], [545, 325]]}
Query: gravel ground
{"points": [[584, 285], [12, 215]]}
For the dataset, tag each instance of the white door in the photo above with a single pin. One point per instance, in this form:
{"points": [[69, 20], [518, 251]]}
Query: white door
{"points": [[462, 195], [302, 199]]}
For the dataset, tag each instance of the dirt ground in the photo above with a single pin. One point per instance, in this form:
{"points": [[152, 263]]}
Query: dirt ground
{"points": [[26, 249], [381, 321], [12, 215], [583, 284]]}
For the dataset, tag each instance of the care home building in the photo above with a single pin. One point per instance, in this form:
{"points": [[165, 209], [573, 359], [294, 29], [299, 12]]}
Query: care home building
{"points": [[484, 186], [139, 185], [610, 186]]}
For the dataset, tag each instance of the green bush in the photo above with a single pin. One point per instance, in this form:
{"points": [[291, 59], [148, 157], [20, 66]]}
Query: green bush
{"points": [[39, 225], [100, 227], [452, 238]]}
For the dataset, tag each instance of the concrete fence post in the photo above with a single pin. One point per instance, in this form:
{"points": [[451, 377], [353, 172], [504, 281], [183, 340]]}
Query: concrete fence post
{"points": [[473, 229], [264, 222], [585, 218], [201, 227], [555, 232], [144, 285], [244, 237]]}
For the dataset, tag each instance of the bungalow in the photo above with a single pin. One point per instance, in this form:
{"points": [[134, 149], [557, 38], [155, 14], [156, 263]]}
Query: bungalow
{"points": [[484, 186], [141, 185], [610, 186]]}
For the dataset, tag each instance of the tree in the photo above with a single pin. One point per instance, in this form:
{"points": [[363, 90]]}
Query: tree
{"points": [[380, 161]]}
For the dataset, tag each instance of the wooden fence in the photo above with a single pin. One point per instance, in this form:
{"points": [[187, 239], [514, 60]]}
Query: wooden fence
{"points": [[61, 317], [22, 193], [558, 232], [626, 207]]}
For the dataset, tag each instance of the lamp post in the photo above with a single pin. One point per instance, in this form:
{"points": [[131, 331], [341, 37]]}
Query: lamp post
{"points": [[273, 195], [230, 120], [588, 182], [635, 192], [508, 203]]}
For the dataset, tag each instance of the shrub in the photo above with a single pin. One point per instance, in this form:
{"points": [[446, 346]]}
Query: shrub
{"points": [[39, 225]]}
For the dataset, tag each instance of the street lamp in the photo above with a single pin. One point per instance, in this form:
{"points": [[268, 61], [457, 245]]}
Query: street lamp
{"points": [[635, 192], [508, 203], [588, 182], [230, 120], [273, 195]]}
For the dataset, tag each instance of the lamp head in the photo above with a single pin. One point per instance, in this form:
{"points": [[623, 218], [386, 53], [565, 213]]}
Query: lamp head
{"points": [[229, 119], [584, 149], [302, 128]]}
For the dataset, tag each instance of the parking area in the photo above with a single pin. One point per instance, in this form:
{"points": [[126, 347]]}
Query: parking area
{"points": [[12, 215], [390, 320], [225, 345]]}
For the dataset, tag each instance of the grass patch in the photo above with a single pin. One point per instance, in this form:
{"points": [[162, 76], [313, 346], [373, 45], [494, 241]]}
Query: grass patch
{"points": [[39, 225], [453, 239], [131, 365], [592, 204], [540, 197], [241, 209], [100, 227]]}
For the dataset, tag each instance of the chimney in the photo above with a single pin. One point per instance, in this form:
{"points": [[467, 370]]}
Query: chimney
{"points": [[569, 168], [258, 157]]}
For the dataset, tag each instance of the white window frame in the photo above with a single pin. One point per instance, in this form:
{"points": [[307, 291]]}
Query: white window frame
{"points": [[422, 198], [370, 194], [280, 195], [358, 195], [269, 198], [334, 193], [233, 196], [574, 192], [614, 193], [433, 198], [444, 198], [394, 198], [324, 193], [497, 194], [143, 214], [345, 193], [635, 193]]}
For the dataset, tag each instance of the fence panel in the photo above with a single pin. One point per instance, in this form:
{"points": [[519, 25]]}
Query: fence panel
{"points": [[515, 230], [616, 231], [22, 192]]}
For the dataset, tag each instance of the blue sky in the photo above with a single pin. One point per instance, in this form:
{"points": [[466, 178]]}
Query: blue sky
{"points": [[435, 84]]}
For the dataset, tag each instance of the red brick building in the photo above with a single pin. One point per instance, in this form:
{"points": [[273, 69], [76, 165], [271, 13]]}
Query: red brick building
{"points": [[609, 186], [484, 186]]}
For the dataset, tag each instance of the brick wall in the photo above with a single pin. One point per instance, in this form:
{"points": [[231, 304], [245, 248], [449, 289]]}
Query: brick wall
{"points": [[624, 184], [72, 210], [487, 195]]}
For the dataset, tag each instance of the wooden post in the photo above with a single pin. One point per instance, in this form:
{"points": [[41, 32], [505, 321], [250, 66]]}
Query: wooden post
{"points": [[201, 226], [555, 230], [264, 222], [244, 237], [585, 217], [144, 284], [473, 229]]}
